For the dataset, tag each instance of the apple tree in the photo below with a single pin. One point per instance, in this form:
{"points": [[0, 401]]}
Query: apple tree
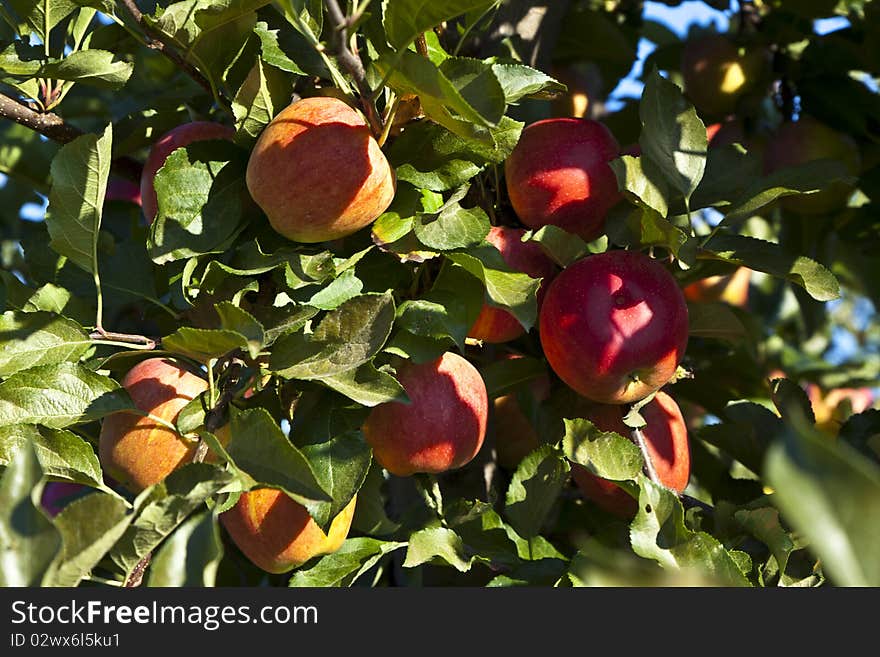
{"points": [[410, 293]]}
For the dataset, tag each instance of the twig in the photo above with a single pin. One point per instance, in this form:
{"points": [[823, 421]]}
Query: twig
{"points": [[46, 123], [122, 339], [639, 439], [137, 574], [353, 65]]}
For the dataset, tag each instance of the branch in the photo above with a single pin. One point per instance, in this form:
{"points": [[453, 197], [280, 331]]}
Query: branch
{"points": [[47, 123], [353, 65]]}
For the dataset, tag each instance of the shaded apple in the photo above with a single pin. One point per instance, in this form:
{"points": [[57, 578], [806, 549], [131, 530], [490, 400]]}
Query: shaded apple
{"points": [[514, 430], [442, 427], [318, 173], [58, 494], [666, 437], [808, 140], [277, 533], [730, 288], [614, 326], [120, 189], [177, 137], [496, 325], [558, 174]]}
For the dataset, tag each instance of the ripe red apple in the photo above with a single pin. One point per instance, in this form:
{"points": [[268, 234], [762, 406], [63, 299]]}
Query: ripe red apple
{"points": [[515, 434], [558, 174], [666, 437], [138, 451], [497, 325], [120, 189], [614, 326], [182, 135], [317, 172], [444, 425], [277, 533], [731, 288], [806, 140]]}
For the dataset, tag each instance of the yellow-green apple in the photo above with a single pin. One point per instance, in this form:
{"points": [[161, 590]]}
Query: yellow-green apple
{"points": [[614, 326], [730, 288], [497, 325], [442, 427], [666, 438], [277, 533], [177, 137], [137, 451], [558, 174], [807, 140], [318, 173]]}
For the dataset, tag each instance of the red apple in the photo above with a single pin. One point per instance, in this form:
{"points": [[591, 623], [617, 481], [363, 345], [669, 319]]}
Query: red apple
{"points": [[120, 189], [807, 140], [318, 173], [58, 494], [558, 174], [497, 325], [666, 437], [442, 427], [614, 326], [515, 434], [832, 409], [175, 138]]}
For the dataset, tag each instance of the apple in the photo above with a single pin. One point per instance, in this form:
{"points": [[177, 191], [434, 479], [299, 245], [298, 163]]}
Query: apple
{"points": [[318, 173], [515, 434], [442, 427], [666, 437], [832, 409], [614, 326], [584, 83], [58, 494], [716, 74], [496, 325], [558, 174], [807, 140], [182, 135], [137, 451], [731, 288], [277, 533], [120, 189]]}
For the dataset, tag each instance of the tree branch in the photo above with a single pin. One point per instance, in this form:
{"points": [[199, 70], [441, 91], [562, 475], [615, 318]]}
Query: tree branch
{"points": [[46, 123], [353, 65]]}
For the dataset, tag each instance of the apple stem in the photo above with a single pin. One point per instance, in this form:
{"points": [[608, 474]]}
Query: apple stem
{"points": [[354, 66], [639, 439]]}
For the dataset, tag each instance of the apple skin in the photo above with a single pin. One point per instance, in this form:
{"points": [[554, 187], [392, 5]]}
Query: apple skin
{"points": [[614, 326], [515, 434], [277, 533], [496, 325], [58, 494], [827, 406], [731, 288], [444, 425], [666, 437], [177, 137], [558, 174], [120, 189], [135, 450], [804, 141], [318, 173]]}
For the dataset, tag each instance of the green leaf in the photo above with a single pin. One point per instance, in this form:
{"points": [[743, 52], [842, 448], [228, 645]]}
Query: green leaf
{"points": [[534, 488], [340, 465], [344, 287], [344, 339], [764, 524], [437, 545], [203, 344], [347, 564], [830, 494], [367, 386], [746, 433], [771, 258], [454, 227], [673, 137], [560, 245], [96, 68], [162, 507], [264, 92], [260, 449], [406, 19], [604, 453], [370, 514], [190, 556], [520, 81], [658, 532], [505, 375], [59, 395], [273, 53], [641, 227], [89, 528], [715, 320], [79, 183], [648, 191], [42, 15], [28, 541], [233, 318], [64, 455], [32, 339]]}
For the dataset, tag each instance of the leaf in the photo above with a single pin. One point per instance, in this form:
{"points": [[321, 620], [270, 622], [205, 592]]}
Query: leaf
{"points": [[28, 541], [604, 453], [648, 191], [162, 507], [715, 320], [273, 53], [355, 557], [773, 259], [260, 449], [79, 174], [404, 20], [264, 92], [42, 15], [59, 395], [89, 527], [437, 545], [344, 287], [560, 245], [746, 433], [830, 494], [95, 68], [190, 556], [64, 455], [764, 525], [673, 137], [505, 375], [32, 339], [344, 339], [453, 228], [658, 532], [340, 465], [367, 386], [534, 489], [640, 227], [791, 400], [233, 318], [519, 81]]}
